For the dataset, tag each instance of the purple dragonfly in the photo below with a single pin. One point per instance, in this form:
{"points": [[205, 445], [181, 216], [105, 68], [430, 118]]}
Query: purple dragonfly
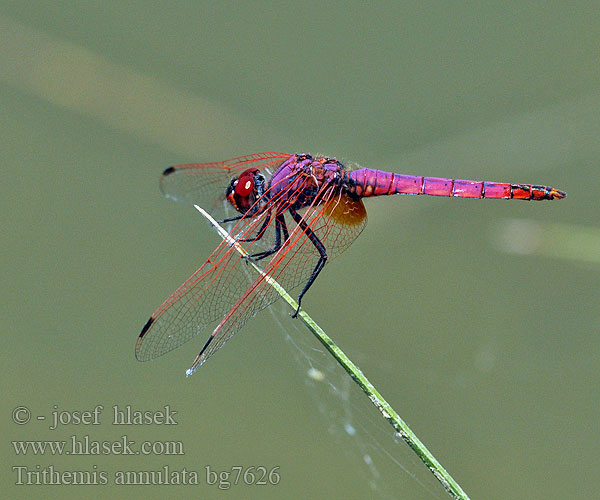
{"points": [[295, 212]]}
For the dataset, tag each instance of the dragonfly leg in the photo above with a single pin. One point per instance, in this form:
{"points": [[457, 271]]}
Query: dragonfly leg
{"points": [[322, 252], [230, 219], [280, 227], [261, 231]]}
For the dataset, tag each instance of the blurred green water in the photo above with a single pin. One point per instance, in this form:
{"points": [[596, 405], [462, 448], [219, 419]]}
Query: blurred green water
{"points": [[492, 357]]}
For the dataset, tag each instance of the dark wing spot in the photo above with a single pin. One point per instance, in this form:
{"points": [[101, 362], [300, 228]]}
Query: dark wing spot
{"points": [[146, 326]]}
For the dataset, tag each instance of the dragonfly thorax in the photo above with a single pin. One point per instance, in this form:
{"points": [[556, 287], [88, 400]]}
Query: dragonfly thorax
{"points": [[244, 191]]}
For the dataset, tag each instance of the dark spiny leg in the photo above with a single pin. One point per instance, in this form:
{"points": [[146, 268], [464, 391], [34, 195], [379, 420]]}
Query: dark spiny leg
{"points": [[261, 231], [231, 219], [284, 228], [279, 228], [319, 246]]}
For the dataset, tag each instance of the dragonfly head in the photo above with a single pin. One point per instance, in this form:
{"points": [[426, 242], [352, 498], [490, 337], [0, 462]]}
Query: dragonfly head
{"points": [[244, 191]]}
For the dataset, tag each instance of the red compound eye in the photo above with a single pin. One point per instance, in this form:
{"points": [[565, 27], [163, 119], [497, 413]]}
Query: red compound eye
{"points": [[244, 186], [241, 192]]}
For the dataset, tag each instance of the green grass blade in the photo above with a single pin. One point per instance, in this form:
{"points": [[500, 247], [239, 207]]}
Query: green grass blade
{"points": [[451, 486]]}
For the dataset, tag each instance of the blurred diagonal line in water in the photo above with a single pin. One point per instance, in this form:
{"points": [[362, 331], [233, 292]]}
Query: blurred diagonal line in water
{"points": [[79, 80], [542, 139]]}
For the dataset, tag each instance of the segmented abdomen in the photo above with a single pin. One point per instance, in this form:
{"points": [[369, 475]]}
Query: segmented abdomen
{"points": [[370, 182]]}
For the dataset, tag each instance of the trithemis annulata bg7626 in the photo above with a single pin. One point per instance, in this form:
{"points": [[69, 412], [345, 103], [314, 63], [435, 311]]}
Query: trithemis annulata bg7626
{"points": [[295, 212]]}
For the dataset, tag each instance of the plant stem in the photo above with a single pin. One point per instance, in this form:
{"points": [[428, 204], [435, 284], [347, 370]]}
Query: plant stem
{"points": [[449, 484]]}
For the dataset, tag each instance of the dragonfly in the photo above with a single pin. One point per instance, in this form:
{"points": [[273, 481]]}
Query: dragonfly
{"points": [[293, 213]]}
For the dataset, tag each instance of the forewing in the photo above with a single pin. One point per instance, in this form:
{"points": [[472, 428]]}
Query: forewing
{"points": [[204, 184], [337, 222]]}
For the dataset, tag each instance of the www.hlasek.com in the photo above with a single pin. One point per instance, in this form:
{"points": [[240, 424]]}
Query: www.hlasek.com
{"points": [[224, 479], [86, 446]]}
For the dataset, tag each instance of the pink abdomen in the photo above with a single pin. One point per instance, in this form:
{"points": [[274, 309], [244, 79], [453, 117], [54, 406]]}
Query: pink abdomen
{"points": [[370, 182]]}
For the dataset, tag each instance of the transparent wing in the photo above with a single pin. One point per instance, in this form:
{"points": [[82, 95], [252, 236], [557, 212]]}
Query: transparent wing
{"points": [[225, 288], [204, 184], [336, 221]]}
